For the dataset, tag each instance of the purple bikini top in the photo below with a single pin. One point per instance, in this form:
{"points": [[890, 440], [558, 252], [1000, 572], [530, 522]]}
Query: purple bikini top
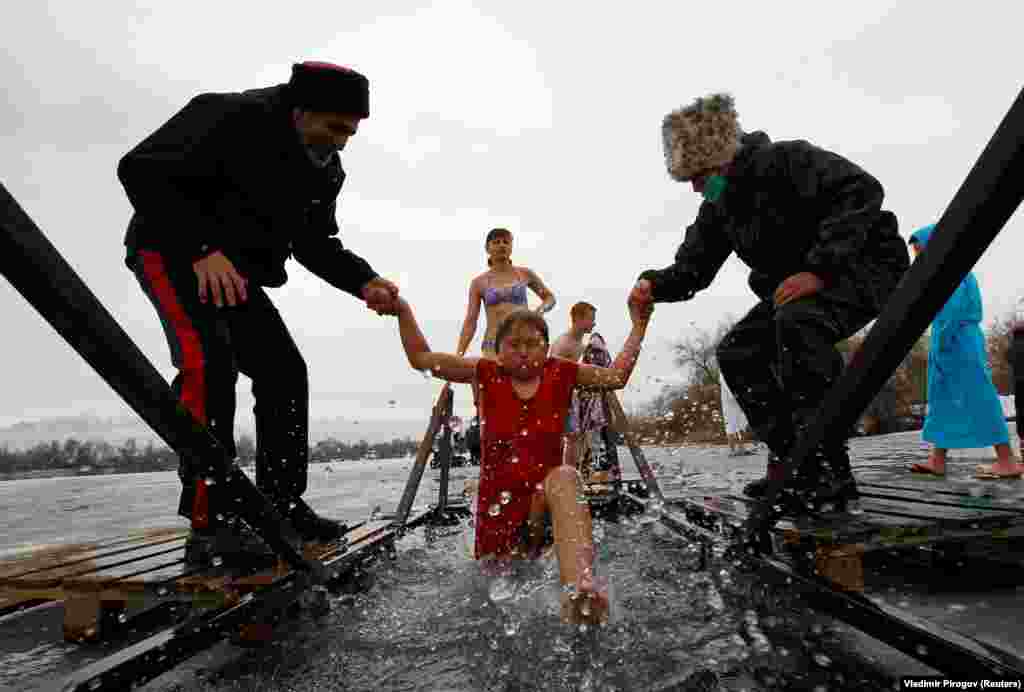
{"points": [[515, 294]]}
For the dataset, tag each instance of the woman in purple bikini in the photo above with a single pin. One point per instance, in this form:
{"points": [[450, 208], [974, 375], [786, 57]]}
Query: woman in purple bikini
{"points": [[502, 290]]}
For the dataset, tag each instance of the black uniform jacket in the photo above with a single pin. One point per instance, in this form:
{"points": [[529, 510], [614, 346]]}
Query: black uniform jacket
{"points": [[228, 172]]}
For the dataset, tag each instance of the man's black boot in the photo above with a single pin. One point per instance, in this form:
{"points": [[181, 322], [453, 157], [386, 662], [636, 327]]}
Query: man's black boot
{"points": [[775, 472], [311, 526]]}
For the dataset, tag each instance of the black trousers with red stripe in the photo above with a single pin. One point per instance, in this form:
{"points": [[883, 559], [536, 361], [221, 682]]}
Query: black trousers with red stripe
{"points": [[210, 346]]}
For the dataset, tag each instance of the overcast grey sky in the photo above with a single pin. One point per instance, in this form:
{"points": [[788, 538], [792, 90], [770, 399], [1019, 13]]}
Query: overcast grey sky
{"points": [[541, 117]]}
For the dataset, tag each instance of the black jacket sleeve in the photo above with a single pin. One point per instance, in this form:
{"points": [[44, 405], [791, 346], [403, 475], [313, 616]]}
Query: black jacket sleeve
{"points": [[704, 250], [167, 177], [847, 201], [322, 253]]}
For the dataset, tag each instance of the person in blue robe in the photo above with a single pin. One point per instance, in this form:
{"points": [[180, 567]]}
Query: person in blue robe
{"points": [[964, 410]]}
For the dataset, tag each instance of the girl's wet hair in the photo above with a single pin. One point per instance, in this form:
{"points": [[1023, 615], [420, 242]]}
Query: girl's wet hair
{"points": [[521, 316], [495, 233]]}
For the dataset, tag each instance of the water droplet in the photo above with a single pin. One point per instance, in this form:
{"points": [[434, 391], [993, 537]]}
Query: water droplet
{"points": [[494, 510], [822, 660], [506, 497], [501, 590], [210, 480], [922, 650], [511, 627], [218, 561], [514, 460]]}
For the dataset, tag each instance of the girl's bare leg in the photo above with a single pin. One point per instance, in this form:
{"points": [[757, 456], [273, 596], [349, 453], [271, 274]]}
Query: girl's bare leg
{"points": [[574, 545]]}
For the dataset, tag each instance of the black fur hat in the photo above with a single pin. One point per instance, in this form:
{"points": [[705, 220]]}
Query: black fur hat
{"points": [[323, 86]]}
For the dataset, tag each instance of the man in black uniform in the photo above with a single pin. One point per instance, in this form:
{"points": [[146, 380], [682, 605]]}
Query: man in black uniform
{"points": [[224, 192], [824, 255]]}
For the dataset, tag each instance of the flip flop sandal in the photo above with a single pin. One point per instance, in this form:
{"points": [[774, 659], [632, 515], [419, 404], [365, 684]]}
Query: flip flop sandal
{"points": [[986, 472], [925, 470]]}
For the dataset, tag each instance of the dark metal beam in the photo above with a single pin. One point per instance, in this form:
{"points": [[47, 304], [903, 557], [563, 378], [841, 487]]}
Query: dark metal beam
{"points": [[988, 197], [947, 651], [38, 271]]}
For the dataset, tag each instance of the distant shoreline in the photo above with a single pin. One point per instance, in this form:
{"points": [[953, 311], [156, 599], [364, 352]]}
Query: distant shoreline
{"points": [[65, 473]]}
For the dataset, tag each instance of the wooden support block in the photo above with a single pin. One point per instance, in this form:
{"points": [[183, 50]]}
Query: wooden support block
{"points": [[254, 634], [843, 565], [88, 615], [94, 601]]}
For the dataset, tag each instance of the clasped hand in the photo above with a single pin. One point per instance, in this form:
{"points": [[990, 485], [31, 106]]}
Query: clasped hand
{"points": [[381, 296], [796, 287], [641, 302]]}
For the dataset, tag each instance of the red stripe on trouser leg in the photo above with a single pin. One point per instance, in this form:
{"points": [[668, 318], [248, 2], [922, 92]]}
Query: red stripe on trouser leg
{"points": [[201, 506], [193, 380]]}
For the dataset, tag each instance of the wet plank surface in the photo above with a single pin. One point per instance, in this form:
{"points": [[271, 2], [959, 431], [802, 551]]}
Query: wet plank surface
{"points": [[141, 571], [896, 508]]}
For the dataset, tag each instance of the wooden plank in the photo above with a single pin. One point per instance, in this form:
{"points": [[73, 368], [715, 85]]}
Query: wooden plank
{"points": [[175, 576], [879, 524], [945, 493], [56, 555], [939, 514], [881, 505], [13, 601], [94, 580], [107, 564], [358, 537], [422, 454]]}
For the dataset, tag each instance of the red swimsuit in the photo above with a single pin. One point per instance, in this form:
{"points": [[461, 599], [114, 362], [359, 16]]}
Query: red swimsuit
{"points": [[521, 441]]}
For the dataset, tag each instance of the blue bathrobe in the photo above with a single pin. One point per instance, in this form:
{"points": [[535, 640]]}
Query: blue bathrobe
{"points": [[963, 405]]}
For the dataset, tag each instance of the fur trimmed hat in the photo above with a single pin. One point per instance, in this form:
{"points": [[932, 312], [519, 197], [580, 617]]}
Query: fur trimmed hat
{"points": [[323, 86], [700, 136]]}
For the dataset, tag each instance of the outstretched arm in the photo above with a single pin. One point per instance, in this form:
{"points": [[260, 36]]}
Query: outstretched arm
{"points": [[703, 252], [537, 286], [617, 376], [446, 366], [472, 316]]}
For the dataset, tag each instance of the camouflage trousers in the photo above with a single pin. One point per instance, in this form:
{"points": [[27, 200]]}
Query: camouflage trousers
{"points": [[780, 362]]}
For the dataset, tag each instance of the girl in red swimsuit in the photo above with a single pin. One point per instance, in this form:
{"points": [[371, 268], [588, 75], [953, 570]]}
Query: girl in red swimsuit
{"points": [[524, 399]]}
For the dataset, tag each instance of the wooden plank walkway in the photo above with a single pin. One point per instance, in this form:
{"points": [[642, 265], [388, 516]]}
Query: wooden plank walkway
{"points": [[896, 510], [113, 580]]}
